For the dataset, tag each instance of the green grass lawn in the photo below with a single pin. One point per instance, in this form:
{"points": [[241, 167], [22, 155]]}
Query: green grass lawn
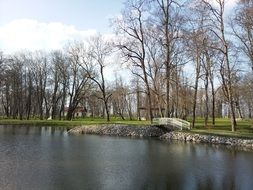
{"points": [[223, 128], [74, 122]]}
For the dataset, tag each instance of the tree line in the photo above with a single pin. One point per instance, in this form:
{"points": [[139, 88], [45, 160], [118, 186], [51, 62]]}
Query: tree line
{"points": [[188, 58]]}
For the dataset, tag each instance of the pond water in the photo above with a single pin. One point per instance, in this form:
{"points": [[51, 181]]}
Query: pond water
{"points": [[45, 158]]}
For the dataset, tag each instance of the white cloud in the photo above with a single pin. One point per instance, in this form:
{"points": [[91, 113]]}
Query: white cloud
{"points": [[228, 3], [33, 35], [231, 3], [28, 34]]}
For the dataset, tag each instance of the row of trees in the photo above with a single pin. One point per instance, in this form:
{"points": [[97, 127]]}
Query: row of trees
{"points": [[158, 40], [44, 84], [159, 36]]}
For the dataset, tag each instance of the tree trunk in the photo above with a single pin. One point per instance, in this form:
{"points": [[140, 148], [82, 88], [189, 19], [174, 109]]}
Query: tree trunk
{"points": [[61, 112], [54, 99], [239, 109], [70, 113], [138, 102], [167, 113], [207, 99], [150, 114], [29, 98], [213, 102], [228, 69], [230, 95], [106, 108], [195, 91], [250, 111]]}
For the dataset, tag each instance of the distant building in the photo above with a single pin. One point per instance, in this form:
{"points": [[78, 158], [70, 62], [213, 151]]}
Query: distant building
{"points": [[225, 110], [78, 112]]}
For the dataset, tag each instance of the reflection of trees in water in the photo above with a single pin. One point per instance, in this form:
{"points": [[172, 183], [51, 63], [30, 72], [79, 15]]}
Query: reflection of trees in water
{"points": [[206, 184], [52, 130], [210, 168], [27, 130], [229, 179], [167, 165], [189, 166], [228, 182], [99, 162], [33, 130]]}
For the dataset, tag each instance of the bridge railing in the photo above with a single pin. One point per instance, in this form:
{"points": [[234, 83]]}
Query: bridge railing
{"points": [[175, 122]]}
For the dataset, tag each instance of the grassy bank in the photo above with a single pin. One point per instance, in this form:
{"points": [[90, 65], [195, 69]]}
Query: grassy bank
{"points": [[221, 128], [73, 123]]}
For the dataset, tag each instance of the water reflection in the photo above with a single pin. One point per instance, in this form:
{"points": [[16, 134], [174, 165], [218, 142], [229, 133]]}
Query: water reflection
{"points": [[48, 158]]}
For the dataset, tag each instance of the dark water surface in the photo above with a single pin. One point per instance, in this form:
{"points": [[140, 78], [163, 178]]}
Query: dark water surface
{"points": [[43, 158]]}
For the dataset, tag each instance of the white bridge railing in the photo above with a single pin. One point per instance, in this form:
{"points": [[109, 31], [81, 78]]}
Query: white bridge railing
{"points": [[174, 122]]}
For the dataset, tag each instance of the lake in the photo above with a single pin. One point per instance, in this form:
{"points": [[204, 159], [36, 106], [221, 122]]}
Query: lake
{"points": [[47, 158]]}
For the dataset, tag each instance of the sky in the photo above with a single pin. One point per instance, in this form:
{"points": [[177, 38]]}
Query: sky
{"points": [[49, 24]]}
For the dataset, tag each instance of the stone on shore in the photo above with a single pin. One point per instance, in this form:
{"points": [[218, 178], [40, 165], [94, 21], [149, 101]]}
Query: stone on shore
{"points": [[164, 133], [211, 139], [119, 130]]}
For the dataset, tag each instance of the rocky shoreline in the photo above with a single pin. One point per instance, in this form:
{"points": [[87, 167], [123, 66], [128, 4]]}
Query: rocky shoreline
{"points": [[119, 130], [162, 133], [210, 139]]}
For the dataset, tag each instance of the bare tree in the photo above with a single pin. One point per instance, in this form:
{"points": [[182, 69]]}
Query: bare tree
{"points": [[168, 20], [13, 83], [58, 60], [78, 79], [217, 27], [132, 27], [40, 68], [195, 49], [119, 98], [209, 69], [1, 81], [94, 63], [1, 66], [242, 26], [246, 91], [64, 81], [195, 42]]}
